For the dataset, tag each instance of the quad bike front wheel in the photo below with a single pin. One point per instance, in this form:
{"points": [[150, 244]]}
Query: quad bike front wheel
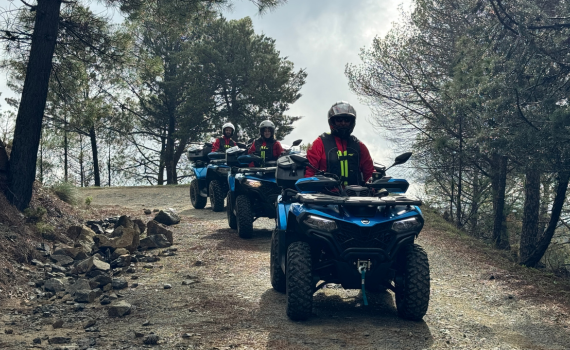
{"points": [[197, 201], [413, 283], [244, 215], [276, 274], [299, 281], [217, 195], [232, 220]]}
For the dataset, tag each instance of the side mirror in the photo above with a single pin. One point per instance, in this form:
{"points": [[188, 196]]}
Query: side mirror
{"points": [[402, 158], [297, 142]]}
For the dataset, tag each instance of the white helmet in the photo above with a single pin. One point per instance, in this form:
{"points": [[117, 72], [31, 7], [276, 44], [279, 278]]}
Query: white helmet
{"points": [[228, 125], [267, 124]]}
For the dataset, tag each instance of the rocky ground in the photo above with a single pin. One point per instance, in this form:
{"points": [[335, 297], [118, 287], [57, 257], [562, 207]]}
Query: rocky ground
{"points": [[214, 293]]}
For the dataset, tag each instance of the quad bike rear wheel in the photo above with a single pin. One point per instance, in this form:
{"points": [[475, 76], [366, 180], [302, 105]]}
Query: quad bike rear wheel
{"points": [[217, 195], [197, 201], [277, 276], [232, 220], [413, 283]]}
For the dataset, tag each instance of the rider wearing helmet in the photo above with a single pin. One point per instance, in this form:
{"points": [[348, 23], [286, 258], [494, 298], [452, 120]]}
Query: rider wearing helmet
{"points": [[225, 142], [339, 152], [266, 146]]}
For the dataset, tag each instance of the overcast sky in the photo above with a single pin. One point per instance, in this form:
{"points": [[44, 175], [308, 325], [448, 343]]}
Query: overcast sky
{"points": [[321, 36]]}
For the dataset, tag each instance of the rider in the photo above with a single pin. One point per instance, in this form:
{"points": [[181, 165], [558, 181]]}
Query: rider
{"points": [[339, 152], [266, 146], [225, 142]]}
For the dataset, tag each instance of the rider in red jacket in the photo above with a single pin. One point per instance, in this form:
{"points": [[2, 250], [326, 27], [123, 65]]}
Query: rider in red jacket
{"points": [[339, 152], [225, 142], [266, 146]]}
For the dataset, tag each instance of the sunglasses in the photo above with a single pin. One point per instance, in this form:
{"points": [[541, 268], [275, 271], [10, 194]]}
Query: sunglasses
{"points": [[343, 120]]}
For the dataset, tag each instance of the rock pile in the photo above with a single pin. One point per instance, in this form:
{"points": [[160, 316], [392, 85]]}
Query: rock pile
{"points": [[102, 252]]}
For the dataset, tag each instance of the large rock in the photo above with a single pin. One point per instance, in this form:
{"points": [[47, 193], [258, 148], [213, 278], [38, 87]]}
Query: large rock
{"points": [[120, 309], [140, 224], [118, 252], [99, 281], [91, 264], [84, 236], [129, 239], [54, 285], [63, 260], [167, 217], [119, 283], [121, 261], [80, 284], [156, 228], [155, 241], [76, 253], [85, 296]]}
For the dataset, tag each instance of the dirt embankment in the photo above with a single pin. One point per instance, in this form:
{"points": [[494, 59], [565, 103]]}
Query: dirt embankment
{"points": [[478, 300]]}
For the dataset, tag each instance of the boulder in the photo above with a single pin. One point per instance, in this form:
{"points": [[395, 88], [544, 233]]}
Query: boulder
{"points": [[80, 284], [155, 241], [119, 309], [76, 253], [99, 281], [54, 285], [119, 283], [167, 217], [140, 224], [85, 296], [91, 264], [84, 236], [122, 261], [156, 228], [63, 260], [129, 239], [118, 252]]}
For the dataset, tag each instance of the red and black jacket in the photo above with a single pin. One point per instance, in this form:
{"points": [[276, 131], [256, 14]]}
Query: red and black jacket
{"points": [[224, 143], [267, 150], [348, 159]]}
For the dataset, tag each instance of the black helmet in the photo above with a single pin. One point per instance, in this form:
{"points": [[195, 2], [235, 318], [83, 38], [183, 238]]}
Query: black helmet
{"points": [[267, 124], [342, 109]]}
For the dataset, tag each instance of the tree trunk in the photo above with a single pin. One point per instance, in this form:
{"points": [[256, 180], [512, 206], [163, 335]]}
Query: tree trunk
{"points": [[544, 241], [96, 172], [160, 176], [109, 165], [81, 169], [171, 177], [65, 154], [530, 214], [460, 174], [476, 197], [544, 202], [499, 188], [32, 104]]}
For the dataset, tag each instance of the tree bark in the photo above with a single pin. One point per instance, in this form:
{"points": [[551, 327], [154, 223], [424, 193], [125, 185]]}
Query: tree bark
{"points": [[499, 188], [475, 204], [96, 172], [460, 174], [530, 214], [32, 104], [544, 241]]}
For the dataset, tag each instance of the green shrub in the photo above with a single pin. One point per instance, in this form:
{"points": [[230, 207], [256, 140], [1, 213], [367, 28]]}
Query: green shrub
{"points": [[35, 215], [88, 201], [46, 230], [66, 192]]}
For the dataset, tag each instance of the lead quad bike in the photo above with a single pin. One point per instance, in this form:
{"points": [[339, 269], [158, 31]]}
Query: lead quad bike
{"points": [[253, 191], [210, 177], [360, 237]]}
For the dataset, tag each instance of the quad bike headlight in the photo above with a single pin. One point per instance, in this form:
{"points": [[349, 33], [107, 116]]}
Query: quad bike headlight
{"points": [[253, 183], [320, 224], [406, 225]]}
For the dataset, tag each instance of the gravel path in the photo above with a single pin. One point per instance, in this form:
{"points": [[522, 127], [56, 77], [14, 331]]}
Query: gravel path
{"points": [[474, 304]]}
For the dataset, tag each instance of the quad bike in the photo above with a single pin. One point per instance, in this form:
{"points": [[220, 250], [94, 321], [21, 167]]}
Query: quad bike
{"points": [[253, 191], [210, 172], [360, 237]]}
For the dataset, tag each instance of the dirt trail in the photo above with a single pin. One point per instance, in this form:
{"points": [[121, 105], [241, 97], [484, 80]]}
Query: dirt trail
{"points": [[234, 307]]}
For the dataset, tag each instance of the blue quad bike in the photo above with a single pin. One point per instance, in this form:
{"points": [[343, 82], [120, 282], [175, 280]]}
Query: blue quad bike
{"points": [[358, 236], [253, 191], [210, 172]]}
